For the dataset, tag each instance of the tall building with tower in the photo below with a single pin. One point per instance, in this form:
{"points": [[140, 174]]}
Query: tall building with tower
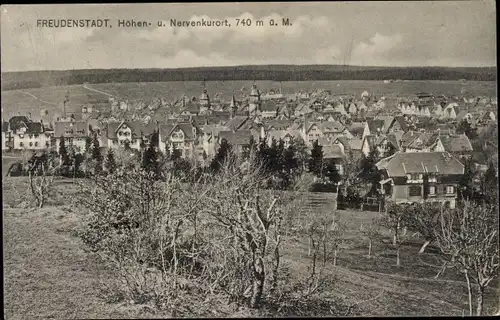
{"points": [[254, 101], [204, 100]]}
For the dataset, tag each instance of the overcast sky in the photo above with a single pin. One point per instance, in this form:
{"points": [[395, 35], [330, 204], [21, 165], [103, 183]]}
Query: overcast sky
{"points": [[444, 33]]}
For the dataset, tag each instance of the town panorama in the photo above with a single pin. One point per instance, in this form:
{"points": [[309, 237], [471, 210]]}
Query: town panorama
{"points": [[250, 160]]}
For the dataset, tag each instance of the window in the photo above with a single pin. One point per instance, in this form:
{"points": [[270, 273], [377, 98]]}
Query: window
{"points": [[36, 144], [47, 143], [415, 191], [450, 189], [414, 176], [6, 144], [21, 144], [31, 144], [432, 190]]}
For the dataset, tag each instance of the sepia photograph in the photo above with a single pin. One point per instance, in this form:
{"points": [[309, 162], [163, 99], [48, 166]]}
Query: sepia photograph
{"points": [[236, 160]]}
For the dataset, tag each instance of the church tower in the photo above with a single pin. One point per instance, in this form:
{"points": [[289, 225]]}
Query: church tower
{"points": [[254, 101], [233, 107], [204, 99]]}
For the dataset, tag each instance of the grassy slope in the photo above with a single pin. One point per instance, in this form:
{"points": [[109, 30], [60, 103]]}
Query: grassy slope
{"points": [[47, 273]]}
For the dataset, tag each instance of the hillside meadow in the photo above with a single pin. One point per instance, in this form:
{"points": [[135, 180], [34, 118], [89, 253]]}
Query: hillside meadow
{"points": [[48, 274]]}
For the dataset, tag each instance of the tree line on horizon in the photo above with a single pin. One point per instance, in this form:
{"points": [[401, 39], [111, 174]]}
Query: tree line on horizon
{"points": [[36, 79]]}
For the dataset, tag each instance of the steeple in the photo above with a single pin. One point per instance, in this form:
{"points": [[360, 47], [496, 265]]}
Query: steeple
{"points": [[204, 98], [254, 100], [233, 101], [233, 106]]}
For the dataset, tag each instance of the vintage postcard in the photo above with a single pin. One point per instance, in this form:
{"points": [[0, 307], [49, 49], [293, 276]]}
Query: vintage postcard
{"points": [[250, 159]]}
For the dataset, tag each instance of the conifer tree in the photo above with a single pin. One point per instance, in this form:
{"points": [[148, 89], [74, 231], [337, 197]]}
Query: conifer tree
{"points": [[110, 162], [88, 143], [331, 173], [63, 152], [96, 154], [273, 158], [150, 160], [222, 155], [316, 160], [465, 185], [490, 183], [262, 155]]}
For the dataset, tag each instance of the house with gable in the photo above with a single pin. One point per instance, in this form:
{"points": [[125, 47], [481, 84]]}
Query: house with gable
{"points": [[134, 133], [382, 143], [451, 111], [389, 122], [311, 132], [376, 126], [348, 145], [210, 138], [333, 153], [488, 117], [269, 109], [74, 134], [399, 125], [23, 133], [182, 137], [353, 108], [359, 130], [286, 135], [418, 141], [340, 108], [458, 145], [239, 140], [333, 129], [421, 177]]}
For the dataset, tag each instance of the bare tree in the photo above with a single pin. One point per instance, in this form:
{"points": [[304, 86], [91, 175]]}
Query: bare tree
{"points": [[468, 236], [422, 218], [393, 219], [41, 180], [335, 236], [371, 232], [252, 216]]}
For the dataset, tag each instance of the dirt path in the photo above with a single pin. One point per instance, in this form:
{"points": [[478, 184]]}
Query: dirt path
{"points": [[98, 91], [35, 97]]}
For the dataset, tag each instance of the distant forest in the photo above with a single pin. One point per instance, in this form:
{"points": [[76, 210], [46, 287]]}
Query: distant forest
{"points": [[35, 79]]}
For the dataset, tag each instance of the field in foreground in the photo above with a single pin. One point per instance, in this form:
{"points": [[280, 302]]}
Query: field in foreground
{"points": [[49, 275]]}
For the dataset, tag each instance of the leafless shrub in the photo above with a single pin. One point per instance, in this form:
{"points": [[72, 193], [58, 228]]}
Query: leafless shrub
{"points": [[41, 183], [138, 223], [252, 217], [468, 236]]}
